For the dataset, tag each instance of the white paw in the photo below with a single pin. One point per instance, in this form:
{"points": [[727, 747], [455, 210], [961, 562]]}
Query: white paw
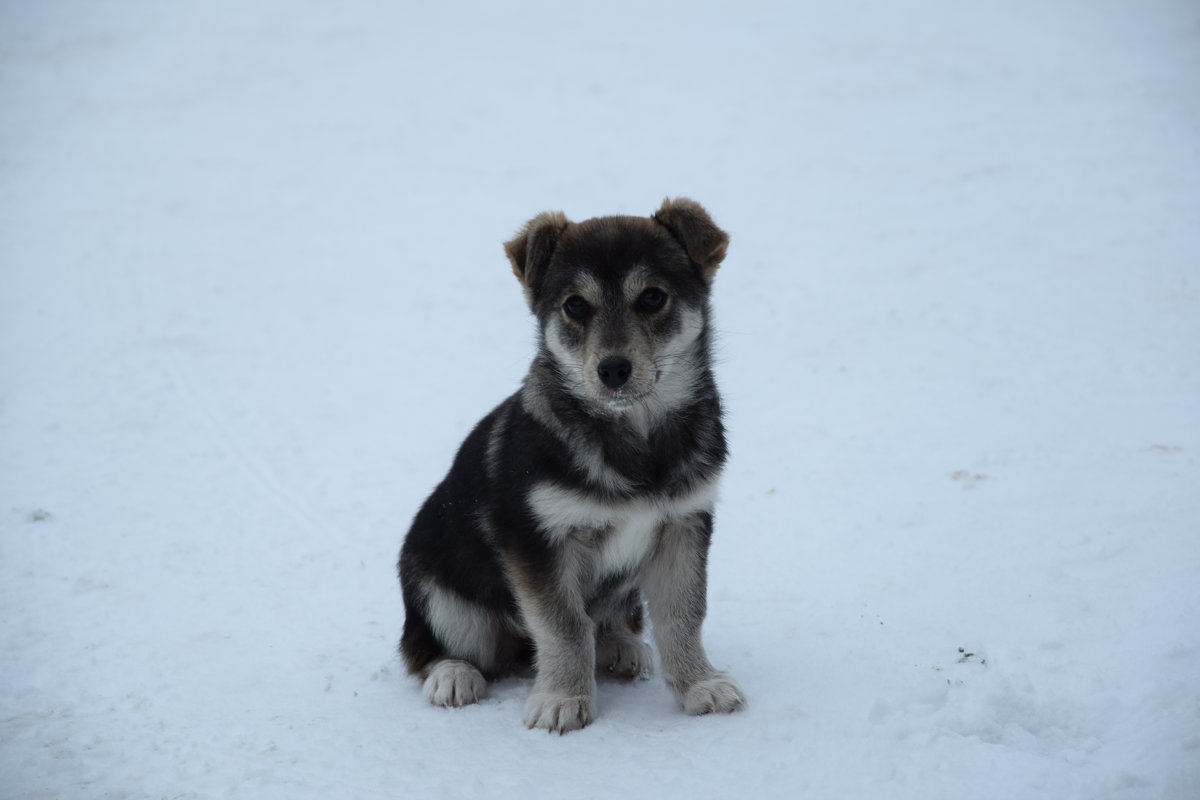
{"points": [[720, 693], [453, 683], [556, 712], [624, 655]]}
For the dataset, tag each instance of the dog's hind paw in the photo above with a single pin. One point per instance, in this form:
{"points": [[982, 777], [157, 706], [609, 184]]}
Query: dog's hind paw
{"points": [[719, 693], [557, 713], [453, 683], [624, 655]]}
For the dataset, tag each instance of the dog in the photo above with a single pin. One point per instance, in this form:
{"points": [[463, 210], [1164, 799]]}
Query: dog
{"points": [[588, 494]]}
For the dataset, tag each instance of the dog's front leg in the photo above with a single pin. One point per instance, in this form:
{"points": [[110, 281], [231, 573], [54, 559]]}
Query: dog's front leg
{"points": [[564, 639], [675, 585]]}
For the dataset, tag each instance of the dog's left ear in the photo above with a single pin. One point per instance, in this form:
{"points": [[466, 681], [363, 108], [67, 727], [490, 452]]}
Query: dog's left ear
{"points": [[693, 228], [530, 250]]}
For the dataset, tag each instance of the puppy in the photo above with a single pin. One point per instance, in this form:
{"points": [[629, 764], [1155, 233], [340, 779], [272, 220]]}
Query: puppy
{"points": [[588, 491]]}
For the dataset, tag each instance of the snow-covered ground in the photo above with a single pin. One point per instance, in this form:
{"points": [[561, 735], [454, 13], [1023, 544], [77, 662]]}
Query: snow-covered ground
{"points": [[252, 296]]}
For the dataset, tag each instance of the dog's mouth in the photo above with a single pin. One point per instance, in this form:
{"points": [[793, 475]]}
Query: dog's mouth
{"points": [[623, 398], [628, 395]]}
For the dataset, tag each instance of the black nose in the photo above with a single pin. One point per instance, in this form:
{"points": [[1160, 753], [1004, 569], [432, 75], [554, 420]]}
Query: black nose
{"points": [[614, 371]]}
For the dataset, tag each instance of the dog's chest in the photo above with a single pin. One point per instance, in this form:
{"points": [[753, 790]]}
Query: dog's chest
{"points": [[625, 541], [618, 534]]}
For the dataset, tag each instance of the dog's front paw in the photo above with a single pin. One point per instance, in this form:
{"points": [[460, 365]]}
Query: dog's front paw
{"points": [[453, 683], [719, 693], [624, 655], [556, 712]]}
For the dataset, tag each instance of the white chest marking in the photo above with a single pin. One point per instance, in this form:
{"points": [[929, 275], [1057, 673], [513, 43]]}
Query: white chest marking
{"points": [[623, 529], [629, 541]]}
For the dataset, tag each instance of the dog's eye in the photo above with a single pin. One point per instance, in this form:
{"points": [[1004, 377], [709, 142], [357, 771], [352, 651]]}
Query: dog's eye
{"points": [[577, 308], [651, 300]]}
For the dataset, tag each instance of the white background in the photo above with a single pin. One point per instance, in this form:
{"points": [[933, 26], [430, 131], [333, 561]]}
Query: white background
{"points": [[252, 297]]}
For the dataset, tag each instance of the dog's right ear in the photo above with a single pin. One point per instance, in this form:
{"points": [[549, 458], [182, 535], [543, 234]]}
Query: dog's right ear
{"points": [[530, 250]]}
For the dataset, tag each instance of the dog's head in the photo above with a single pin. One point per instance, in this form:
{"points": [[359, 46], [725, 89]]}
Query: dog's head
{"points": [[622, 302]]}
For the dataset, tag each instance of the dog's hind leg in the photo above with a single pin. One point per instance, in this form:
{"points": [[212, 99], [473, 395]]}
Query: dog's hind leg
{"points": [[452, 682], [620, 649], [449, 682], [449, 641]]}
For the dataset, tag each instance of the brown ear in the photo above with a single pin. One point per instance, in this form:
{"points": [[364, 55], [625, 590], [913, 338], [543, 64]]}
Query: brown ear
{"points": [[530, 250], [691, 225]]}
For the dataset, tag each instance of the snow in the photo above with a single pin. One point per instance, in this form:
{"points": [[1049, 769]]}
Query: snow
{"points": [[253, 298]]}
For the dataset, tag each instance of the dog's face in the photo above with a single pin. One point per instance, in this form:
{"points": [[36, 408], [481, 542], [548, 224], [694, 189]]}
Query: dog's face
{"points": [[622, 301]]}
